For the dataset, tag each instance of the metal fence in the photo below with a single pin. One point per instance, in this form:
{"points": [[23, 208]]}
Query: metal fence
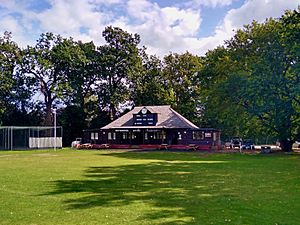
{"points": [[18, 138]]}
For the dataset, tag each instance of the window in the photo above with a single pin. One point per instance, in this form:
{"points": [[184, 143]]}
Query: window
{"points": [[125, 136], [109, 136], [146, 136], [197, 135], [157, 135], [114, 136], [208, 135], [179, 136], [94, 136]]}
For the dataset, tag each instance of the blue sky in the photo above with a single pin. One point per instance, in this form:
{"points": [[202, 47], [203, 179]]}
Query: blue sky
{"points": [[164, 25]]}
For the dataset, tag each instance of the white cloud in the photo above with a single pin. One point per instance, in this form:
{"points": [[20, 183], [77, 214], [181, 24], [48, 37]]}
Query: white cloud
{"points": [[8, 23], [258, 10], [143, 10], [251, 10], [183, 22], [8, 4], [106, 2], [67, 18], [162, 29], [63, 17], [210, 3]]}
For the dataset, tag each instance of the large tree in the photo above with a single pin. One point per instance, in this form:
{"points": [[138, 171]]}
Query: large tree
{"points": [[261, 77], [180, 72], [119, 59], [49, 64], [15, 90], [218, 83], [83, 77], [149, 86]]}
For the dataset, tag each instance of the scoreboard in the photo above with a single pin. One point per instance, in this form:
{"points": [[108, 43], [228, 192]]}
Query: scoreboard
{"points": [[149, 119]]}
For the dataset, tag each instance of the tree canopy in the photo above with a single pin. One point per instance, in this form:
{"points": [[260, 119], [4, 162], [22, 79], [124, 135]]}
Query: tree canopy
{"points": [[256, 79]]}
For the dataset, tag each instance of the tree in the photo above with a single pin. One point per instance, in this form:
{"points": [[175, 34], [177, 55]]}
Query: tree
{"points": [[118, 60], [272, 90], [48, 64], [71, 118], [262, 77], [14, 88], [149, 87], [82, 80], [83, 77], [220, 79], [180, 72]]}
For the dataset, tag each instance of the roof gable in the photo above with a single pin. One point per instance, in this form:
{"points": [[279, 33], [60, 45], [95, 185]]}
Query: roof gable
{"points": [[166, 118]]}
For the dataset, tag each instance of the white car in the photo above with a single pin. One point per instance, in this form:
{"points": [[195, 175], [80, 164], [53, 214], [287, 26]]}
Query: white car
{"points": [[296, 144], [76, 142], [236, 143]]}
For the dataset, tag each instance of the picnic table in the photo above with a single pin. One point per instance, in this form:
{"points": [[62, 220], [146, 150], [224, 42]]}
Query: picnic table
{"points": [[105, 146], [164, 146], [192, 146]]}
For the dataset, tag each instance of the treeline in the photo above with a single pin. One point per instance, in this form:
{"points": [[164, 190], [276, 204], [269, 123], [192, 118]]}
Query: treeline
{"points": [[250, 87]]}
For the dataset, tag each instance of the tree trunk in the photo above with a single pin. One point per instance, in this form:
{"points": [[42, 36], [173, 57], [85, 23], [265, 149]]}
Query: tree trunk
{"points": [[48, 119], [113, 112], [286, 145]]}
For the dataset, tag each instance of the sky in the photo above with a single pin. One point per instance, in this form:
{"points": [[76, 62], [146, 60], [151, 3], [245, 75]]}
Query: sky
{"points": [[164, 25]]}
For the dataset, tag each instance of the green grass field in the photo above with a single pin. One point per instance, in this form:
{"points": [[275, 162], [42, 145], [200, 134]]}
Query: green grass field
{"points": [[103, 187]]}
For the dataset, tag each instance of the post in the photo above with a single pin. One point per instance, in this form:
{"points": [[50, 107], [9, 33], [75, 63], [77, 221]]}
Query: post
{"points": [[11, 138], [54, 114], [38, 139]]}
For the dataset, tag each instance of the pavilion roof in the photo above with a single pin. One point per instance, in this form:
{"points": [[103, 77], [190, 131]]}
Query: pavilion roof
{"points": [[166, 118]]}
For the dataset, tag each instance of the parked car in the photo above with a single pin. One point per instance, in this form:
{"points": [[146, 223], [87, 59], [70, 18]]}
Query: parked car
{"points": [[296, 144], [247, 144], [77, 142], [227, 144], [236, 143]]}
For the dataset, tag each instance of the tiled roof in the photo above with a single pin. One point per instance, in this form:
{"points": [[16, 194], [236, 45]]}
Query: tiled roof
{"points": [[166, 118]]}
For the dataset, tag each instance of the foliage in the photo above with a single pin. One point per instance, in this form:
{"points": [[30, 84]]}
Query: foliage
{"points": [[48, 64], [71, 119], [14, 91], [149, 87], [271, 89], [180, 73], [118, 61], [82, 77], [221, 80], [256, 79]]}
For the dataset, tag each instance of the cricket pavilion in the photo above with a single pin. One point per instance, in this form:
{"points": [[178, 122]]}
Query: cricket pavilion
{"points": [[153, 127]]}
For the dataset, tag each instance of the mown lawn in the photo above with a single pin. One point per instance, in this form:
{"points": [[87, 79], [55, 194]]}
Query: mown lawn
{"points": [[109, 187]]}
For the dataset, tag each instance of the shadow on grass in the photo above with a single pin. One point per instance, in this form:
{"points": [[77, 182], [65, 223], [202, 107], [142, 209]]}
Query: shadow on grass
{"points": [[176, 191]]}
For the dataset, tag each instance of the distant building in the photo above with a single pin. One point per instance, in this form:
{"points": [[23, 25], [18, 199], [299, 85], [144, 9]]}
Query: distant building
{"points": [[153, 126]]}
